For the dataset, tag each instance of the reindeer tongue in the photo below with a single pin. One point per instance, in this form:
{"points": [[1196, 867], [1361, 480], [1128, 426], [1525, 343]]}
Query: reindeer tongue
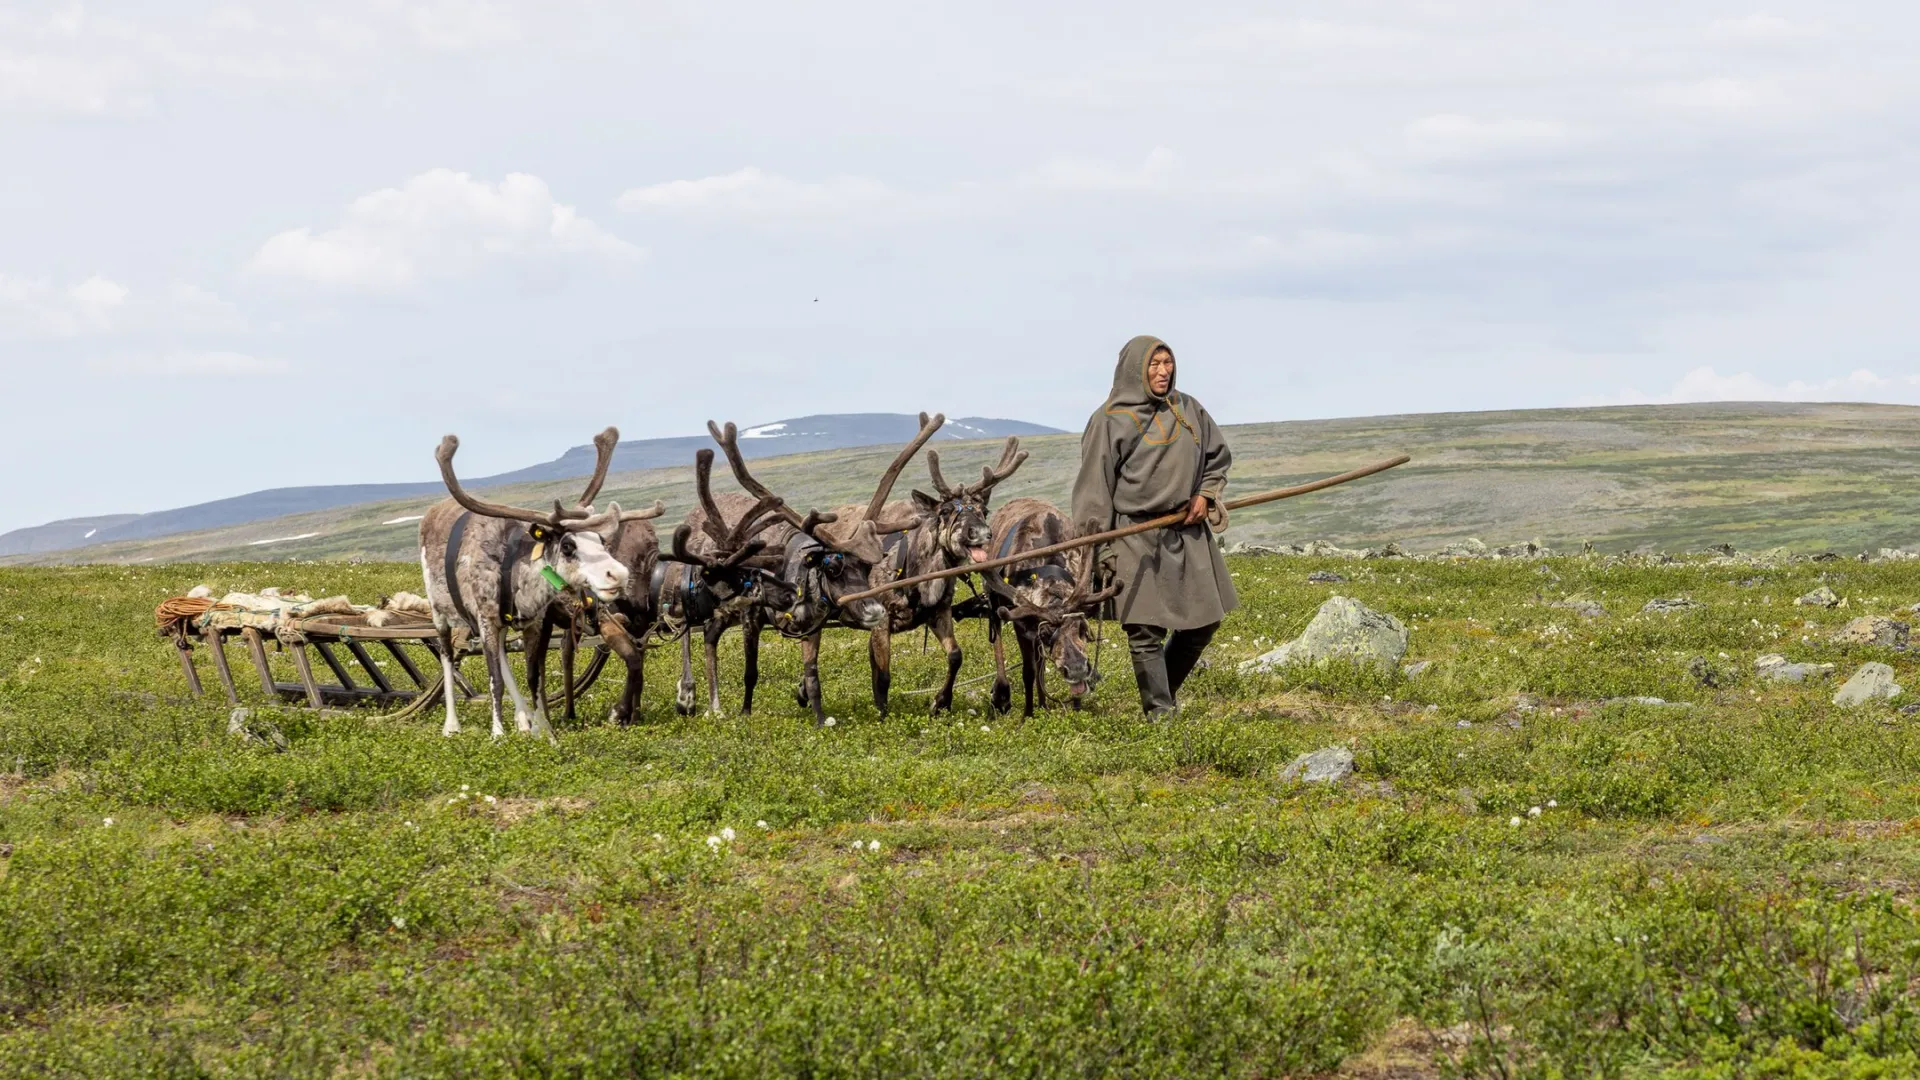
{"points": [[978, 554]]}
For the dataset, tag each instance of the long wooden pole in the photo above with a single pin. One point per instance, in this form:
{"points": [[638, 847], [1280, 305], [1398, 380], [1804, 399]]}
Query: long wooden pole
{"points": [[1161, 522]]}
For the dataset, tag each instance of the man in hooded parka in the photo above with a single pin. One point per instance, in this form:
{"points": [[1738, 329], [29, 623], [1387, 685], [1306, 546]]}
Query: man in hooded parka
{"points": [[1148, 452]]}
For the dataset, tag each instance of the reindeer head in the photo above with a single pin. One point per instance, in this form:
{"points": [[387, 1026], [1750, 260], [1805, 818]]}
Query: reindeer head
{"points": [[738, 568], [1059, 604], [958, 516], [839, 561], [571, 542]]}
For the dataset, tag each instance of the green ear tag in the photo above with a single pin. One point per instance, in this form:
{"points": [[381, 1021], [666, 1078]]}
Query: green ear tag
{"points": [[553, 577]]}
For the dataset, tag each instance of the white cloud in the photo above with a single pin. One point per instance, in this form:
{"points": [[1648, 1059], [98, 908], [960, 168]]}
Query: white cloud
{"points": [[1707, 384], [1455, 135], [755, 195], [38, 309], [1759, 26], [440, 225], [190, 363], [1161, 171]]}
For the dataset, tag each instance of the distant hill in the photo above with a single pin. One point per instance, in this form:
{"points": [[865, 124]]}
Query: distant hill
{"points": [[798, 435], [1665, 477]]}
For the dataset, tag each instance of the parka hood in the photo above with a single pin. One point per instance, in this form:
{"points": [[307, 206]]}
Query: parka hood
{"points": [[1130, 393], [1130, 374]]}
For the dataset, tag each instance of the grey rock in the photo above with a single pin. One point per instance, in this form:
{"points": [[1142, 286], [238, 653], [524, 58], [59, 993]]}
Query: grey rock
{"points": [[1325, 577], [1910, 710], [1586, 609], [1416, 669], [1328, 766], [1532, 549], [1670, 605], [255, 730], [1774, 668], [1873, 682], [1470, 548], [1873, 630], [1820, 597], [1244, 548], [1342, 629], [1391, 551], [1463, 724], [1649, 701], [1709, 673]]}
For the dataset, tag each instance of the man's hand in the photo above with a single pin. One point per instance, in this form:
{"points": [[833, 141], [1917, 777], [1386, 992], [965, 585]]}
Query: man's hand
{"points": [[1196, 510]]}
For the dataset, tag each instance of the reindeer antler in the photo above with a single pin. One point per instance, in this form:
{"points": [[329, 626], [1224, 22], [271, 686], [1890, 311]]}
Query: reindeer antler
{"points": [[729, 441], [648, 514], [712, 522], [939, 481], [880, 493], [1011, 458], [561, 518], [603, 445]]}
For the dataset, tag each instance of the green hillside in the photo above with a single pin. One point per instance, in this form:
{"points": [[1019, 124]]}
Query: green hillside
{"points": [[1669, 477]]}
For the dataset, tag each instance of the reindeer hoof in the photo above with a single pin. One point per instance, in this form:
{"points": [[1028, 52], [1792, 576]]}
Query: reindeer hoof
{"points": [[1002, 697]]}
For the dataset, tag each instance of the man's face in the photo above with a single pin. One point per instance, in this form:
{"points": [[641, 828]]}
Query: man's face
{"points": [[1160, 372]]}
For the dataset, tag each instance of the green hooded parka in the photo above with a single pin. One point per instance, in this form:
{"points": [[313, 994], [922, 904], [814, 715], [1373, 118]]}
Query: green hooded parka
{"points": [[1143, 456]]}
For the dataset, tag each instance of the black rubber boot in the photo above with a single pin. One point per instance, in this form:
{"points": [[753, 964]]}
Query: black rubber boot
{"points": [[1147, 647], [1183, 652]]}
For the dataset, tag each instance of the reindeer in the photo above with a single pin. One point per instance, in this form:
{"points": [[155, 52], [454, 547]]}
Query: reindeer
{"points": [[497, 567], [728, 574], [1047, 600], [949, 530], [825, 557], [624, 621]]}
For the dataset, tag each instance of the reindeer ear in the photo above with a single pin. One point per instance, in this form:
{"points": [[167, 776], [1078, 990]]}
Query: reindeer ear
{"points": [[924, 502]]}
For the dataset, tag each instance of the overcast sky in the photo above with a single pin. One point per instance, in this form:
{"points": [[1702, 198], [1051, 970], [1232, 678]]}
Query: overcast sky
{"points": [[245, 246]]}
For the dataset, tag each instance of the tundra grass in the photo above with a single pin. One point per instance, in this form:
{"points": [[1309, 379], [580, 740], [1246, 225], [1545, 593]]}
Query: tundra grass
{"points": [[1525, 877]]}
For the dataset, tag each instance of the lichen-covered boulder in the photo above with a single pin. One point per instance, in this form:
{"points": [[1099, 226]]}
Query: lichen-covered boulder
{"points": [[1873, 682], [1774, 668], [1872, 630], [1668, 606], [1328, 766], [1820, 597], [1342, 629]]}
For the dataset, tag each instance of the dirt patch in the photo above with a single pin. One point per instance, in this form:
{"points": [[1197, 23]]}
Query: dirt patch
{"points": [[512, 811], [1408, 1050]]}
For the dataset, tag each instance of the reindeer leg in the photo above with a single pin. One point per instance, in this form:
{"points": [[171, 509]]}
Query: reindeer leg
{"points": [[683, 697], [636, 683], [880, 659], [443, 635], [943, 629], [1028, 631], [715, 630], [810, 676], [750, 641], [1002, 689], [538, 636], [493, 649]]}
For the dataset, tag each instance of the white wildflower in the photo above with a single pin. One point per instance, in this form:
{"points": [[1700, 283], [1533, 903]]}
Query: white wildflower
{"points": [[831, 721], [873, 845], [858, 846], [399, 922], [491, 801], [657, 836], [1551, 803], [761, 824], [1513, 822], [727, 834], [984, 727], [713, 842], [464, 787], [1533, 811], [107, 824]]}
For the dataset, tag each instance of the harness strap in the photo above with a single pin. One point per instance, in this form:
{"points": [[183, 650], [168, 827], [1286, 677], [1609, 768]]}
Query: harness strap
{"points": [[454, 536], [516, 546]]}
